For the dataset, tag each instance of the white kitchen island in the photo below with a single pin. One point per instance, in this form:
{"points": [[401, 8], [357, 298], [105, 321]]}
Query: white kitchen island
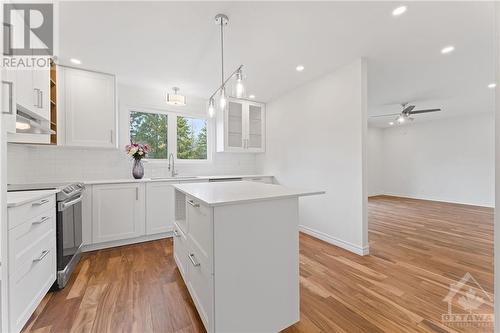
{"points": [[237, 248]]}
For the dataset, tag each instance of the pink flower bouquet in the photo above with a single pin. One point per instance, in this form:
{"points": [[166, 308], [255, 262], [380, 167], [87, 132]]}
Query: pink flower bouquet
{"points": [[137, 150]]}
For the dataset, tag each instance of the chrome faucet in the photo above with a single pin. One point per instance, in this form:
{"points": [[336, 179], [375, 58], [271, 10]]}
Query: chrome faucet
{"points": [[171, 167]]}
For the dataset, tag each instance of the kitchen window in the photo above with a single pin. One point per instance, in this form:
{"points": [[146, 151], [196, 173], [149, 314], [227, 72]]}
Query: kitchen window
{"points": [[184, 136], [191, 138], [150, 128]]}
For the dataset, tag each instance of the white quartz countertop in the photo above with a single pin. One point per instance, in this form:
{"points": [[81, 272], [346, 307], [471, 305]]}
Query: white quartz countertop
{"points": [[168, 179], [20, 198], [226, 193]]}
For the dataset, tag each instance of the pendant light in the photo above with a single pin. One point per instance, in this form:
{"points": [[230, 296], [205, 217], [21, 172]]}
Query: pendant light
{"points": [[211, 108], [239, 89], [176, 98]]}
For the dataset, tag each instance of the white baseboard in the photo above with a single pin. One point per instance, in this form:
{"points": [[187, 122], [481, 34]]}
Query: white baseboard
{"points": [[362, 251], [427, 198], [121, 242]]}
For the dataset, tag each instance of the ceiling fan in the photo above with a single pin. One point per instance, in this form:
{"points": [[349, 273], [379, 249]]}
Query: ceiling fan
{"points": [[406, 113]]}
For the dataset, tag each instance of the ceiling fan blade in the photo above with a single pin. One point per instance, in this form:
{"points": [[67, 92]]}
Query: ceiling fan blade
{"points": [[385, 115], [425, 111], [408, 109]]}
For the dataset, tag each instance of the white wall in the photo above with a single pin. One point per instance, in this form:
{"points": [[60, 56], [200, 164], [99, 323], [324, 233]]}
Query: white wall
{"points": [[28, 164], [449, 160], [315, 139], [374, 156], [497, 172]]}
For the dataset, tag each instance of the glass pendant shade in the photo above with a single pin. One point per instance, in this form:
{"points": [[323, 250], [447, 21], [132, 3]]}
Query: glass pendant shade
{"points": [[222, 99], [239, 87], [211, 108]]}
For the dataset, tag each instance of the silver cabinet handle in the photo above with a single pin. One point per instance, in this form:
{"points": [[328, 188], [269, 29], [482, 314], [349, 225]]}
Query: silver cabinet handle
{"points": [[41, 202], [36, 97], [193, 260], [192, 203], [10, 98], [43, 219], [42, 255], [112, 138], [176, 233], [136, 193], [41, 99]]}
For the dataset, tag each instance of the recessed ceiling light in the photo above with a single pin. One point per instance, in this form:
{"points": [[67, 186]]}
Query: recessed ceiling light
{"points": [[391, 123], [398, 11], [299, 68], [75, 61], [448, 49], [492, 85], [251, 96]]}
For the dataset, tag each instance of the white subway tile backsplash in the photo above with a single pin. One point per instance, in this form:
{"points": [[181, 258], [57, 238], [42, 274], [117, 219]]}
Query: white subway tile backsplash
{"points": [[38, 164]]}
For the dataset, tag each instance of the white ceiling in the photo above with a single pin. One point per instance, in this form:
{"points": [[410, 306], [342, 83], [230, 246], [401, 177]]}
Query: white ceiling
{"points": [[166, 44]]}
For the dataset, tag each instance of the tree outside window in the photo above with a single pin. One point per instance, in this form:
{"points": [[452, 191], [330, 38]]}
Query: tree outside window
{"points": [[191, 138], [150, 128]]}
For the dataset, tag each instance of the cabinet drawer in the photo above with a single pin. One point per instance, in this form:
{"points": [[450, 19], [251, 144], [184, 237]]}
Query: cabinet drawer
{"points": [[200, 285], [20, 214], [199, 219], [31, 281], [22, 237], [180, 250]]}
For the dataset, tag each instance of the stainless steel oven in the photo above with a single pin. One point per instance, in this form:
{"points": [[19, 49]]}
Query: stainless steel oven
{"points": [[69, 231]]}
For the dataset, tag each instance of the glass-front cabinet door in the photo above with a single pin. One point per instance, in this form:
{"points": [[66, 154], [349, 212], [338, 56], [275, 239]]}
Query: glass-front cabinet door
{"points": [[242, 128], [235, 129], [255, 127]]}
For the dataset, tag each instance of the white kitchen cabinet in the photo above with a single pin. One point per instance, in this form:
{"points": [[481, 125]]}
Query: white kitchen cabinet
{"points": [[31, 257], [241, 127], [9, 100], [159, 207], [86, 108], [223, 268], [118, 211], [33, 92]]}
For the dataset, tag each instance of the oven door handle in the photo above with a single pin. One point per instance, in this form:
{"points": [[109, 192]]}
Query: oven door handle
{"points": [[64, 205]]}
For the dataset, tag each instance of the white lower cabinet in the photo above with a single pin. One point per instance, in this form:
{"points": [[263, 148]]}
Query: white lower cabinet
{"points": [[118, 211], [31, 258], [159, 207]]}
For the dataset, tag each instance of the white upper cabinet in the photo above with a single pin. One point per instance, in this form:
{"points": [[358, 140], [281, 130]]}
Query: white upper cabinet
{"points": [[9, 100], [86, 108], [241, 127], [32, 87]]}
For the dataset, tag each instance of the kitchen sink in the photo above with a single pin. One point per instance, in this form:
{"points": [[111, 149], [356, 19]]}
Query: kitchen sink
{"points": [[176, 177]]}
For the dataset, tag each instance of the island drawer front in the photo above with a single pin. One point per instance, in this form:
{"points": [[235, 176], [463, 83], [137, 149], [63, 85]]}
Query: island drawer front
{"points": [[200, 235], [24, 236], [180, 250], [20, 214], [31, 281], [201, 286]]}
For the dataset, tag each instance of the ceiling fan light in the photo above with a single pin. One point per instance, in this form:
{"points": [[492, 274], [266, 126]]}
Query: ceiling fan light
{"points": [[175, 98], [401, 119]]}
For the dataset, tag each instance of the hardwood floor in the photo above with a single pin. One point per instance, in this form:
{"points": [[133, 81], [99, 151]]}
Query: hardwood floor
{"points": [[417, 249]]}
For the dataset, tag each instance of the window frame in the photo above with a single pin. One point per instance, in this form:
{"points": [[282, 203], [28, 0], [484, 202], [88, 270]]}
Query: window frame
{"points": [[172, 134]]}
